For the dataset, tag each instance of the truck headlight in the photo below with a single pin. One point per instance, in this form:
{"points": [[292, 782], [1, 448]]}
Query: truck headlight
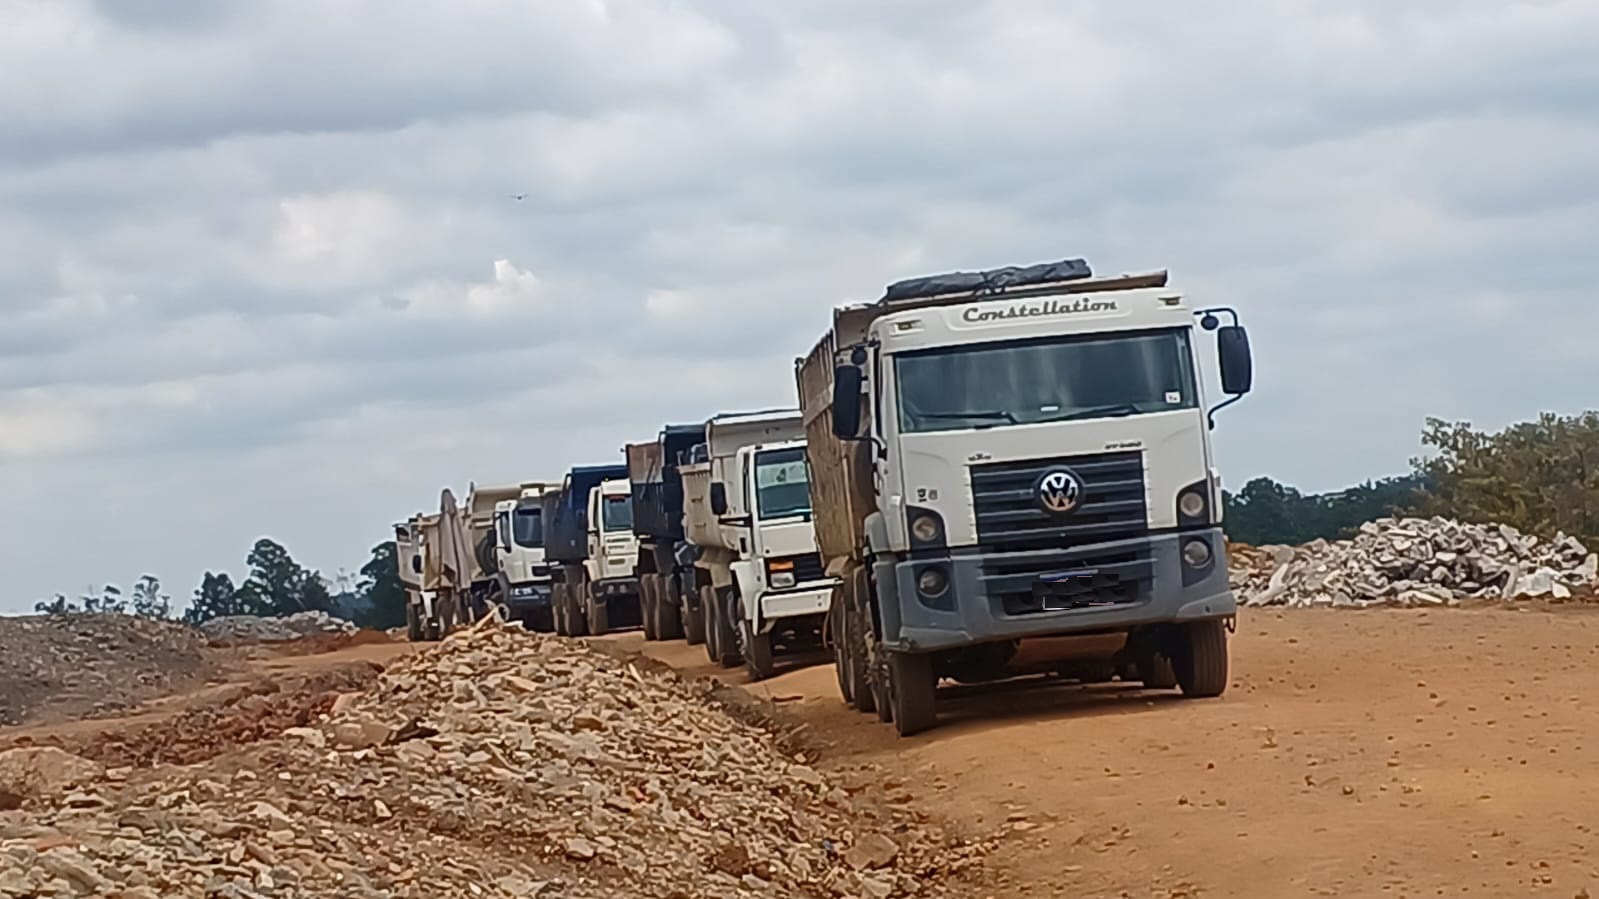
{"points": [[780, 573], [1196, 553], [932, 581], [1193, 504], [926, 527]]}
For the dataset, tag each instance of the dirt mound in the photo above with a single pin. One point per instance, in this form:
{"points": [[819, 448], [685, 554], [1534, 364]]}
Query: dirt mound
{"points": [[76, 666], [258, 711], [499, 763]]}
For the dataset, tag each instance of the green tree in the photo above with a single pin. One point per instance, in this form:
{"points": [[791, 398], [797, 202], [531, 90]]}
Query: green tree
{"points": [[380, 586], [281, 584], [1265, 511], [1540, 476], [60, 605], [148, 601], [108, 600], [217, 597]]}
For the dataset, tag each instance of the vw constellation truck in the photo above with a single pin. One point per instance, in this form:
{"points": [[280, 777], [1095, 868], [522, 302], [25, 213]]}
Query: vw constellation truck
{"points": [[1012, 454]]}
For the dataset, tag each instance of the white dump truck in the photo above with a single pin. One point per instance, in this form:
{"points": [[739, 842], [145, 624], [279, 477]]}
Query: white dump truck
{"points": [[747, 512], [443, 570], [588, 537], [1020, 453], [523, 576]]}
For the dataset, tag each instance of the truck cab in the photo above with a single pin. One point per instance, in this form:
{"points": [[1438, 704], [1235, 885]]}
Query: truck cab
{"points": [[783, 592], [1015, 454], [613, 547], [519, 541]]}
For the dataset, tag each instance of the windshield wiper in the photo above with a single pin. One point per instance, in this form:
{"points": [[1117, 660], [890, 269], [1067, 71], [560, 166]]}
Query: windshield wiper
{"points": [[994, 414], [1119, 410]]}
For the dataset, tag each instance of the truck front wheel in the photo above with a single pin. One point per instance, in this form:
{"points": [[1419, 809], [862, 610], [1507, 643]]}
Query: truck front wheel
{"points": [[835, 634], [726, 638], [577, 623], [668, 614], [1200, 659], [708, 612], [693, 615], [648, 599], [756, 648], [599, 615], [413, 623], [912, 687]]}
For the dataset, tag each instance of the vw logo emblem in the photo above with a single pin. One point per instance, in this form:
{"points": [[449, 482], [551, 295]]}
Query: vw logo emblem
{"points": [[1059, 492]]}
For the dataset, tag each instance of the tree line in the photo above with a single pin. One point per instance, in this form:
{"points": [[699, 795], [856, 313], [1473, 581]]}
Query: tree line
{"points": [[1541, 477], [276, 585]]}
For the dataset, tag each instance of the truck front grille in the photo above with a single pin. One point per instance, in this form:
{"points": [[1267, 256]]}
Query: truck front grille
{"points": [[1112, 507], [1012, 578], [808, 568]]}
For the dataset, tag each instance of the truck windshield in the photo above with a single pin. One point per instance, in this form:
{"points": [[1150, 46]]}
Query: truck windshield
{"points": [[528, 527], [1053, 379], [617, 513], [782, 488]]}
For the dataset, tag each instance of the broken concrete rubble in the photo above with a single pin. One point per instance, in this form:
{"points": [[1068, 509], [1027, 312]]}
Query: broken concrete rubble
{"points": [[497, 763], [1415, 562]]}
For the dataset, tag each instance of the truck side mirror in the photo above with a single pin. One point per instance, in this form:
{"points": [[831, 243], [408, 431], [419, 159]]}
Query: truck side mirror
{"points": [[718, 498], [1237, 366], [847, 402], [416, 564]]}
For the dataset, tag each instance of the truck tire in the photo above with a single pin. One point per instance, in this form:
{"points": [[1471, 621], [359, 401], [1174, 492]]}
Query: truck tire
{"points": [[755, 648], [577, 621], [1200, 661], [558, 608], [668, 612], [1156, 672], [599, 614], [727, 654], [913, 690], [835, 635], [693, 616], [444, 611], [646, 606], [413, 623], [855, 645]]}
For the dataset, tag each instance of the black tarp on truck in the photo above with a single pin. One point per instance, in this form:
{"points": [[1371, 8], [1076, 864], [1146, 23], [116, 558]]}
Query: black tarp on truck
{"points": [[670, 602], [566, 515]]}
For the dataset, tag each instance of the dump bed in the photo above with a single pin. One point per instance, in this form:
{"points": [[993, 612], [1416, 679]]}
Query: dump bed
{"points": [[654, 471], [841, 470], [566, 519], [724, 436]]}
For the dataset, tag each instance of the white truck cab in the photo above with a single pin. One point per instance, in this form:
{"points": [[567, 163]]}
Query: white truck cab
{"points": [[747, 512], [612, 546], [519, 541], [780, 576]]}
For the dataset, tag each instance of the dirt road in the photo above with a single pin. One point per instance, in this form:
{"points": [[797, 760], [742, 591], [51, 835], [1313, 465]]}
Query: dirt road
{"points": [[1356, 754]]}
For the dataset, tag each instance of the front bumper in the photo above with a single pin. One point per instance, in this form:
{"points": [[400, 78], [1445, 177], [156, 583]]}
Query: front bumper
{"points": [[990, 595], [807, 599], [616, 588], [528, 597]]}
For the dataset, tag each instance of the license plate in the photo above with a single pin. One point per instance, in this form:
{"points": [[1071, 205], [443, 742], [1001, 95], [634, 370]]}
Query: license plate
{"points": [[1061, 590]]}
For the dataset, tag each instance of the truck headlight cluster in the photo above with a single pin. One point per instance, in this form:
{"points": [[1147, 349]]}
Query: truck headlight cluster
{"points": [[932, 581], [1193, 504], [780, 573], [1196, 553], [926, 529]]}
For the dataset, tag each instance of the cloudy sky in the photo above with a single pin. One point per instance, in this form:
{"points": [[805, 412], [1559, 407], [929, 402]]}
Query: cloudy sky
{"points": [[262, 272]]}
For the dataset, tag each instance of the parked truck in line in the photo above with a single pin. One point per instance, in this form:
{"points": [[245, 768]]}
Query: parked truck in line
{"points": [[444, 571], [1013, 454], [523, 575], [588, 537], [747, 510], [667, 593], [481, 511]]}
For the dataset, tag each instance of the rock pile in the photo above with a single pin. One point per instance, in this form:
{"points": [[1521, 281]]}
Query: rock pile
{"points": [[1415, 561], [499, 763], [65, 667], [235, 630]]}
